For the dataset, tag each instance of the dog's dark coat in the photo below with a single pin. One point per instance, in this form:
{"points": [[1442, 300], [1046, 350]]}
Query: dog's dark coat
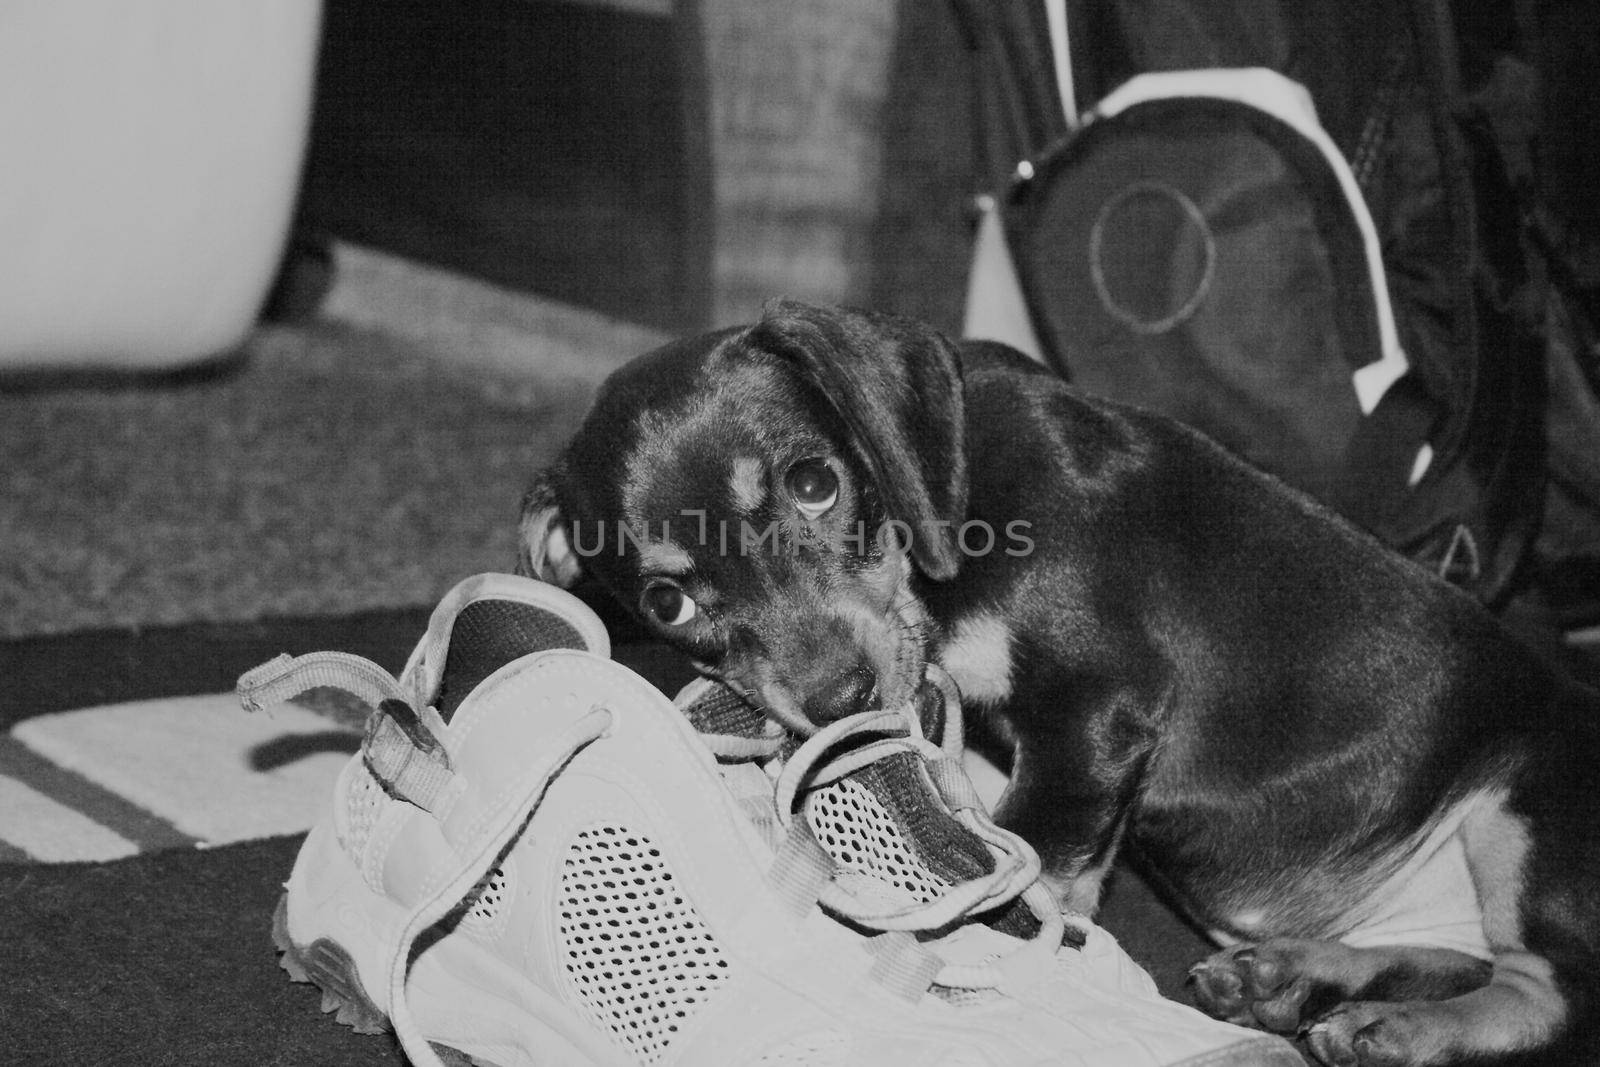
{"points": [[1176, 649]]}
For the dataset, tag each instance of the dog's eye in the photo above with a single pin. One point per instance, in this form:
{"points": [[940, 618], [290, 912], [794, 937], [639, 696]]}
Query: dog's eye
{"points": [[814, 487], [667, 604]]}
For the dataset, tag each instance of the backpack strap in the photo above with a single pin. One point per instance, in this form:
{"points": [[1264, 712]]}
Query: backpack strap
{"points": [[1383, 459]]}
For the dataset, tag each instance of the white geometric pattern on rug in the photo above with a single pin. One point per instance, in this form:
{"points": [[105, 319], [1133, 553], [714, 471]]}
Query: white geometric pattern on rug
{"points": [[200, 764]]}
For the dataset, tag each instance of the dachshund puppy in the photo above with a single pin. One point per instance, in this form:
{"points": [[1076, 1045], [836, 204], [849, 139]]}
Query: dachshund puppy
{"points": [[1339, 764]]}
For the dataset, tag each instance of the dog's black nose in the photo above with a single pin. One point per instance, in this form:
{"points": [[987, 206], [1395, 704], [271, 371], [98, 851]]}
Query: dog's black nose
{"points": [[845, 694]]}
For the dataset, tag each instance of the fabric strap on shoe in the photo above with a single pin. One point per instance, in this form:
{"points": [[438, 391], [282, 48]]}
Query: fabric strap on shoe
{"points": [[801, 869], [800, 876], [952, 736], [903, 966], [955, 788], [401, 747], [409, 760], [502, 823]]}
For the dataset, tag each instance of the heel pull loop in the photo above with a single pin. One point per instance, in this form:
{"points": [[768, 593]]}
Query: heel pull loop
{"points": [[285, 677], [401, 748]]}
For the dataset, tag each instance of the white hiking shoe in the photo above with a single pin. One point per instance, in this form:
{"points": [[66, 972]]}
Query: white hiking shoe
{"points": [[538, 859]]}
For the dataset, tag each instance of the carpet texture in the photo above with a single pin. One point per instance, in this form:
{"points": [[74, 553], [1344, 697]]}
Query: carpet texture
{"points": [[368, 458]]}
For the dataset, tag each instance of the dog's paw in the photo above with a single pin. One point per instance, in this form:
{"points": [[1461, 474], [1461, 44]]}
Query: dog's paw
{"points": [[1261, 985], [1371, 1034]]}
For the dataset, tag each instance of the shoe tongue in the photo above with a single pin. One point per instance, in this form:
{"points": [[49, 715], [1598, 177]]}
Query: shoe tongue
{"points": [[717, 710], [488, 634]]}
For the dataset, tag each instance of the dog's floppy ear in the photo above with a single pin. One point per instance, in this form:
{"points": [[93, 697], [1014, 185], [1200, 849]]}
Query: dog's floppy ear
{"points": [[545, 551], [896, 384]]}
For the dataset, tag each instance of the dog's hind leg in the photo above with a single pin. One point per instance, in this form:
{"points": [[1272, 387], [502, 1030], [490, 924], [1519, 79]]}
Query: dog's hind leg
{"points": [[1533, 868], [1517, 1018]]}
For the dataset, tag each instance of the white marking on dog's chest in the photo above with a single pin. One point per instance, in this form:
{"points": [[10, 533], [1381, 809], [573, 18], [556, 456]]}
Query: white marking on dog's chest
{"points": [[978, 656]]}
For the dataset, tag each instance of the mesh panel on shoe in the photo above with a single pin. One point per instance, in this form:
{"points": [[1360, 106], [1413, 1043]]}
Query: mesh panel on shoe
{"points": [[821, 1048], [640, 959], [938, 841], [487, 635], [490, 901], [905, 837], [858, 831]]}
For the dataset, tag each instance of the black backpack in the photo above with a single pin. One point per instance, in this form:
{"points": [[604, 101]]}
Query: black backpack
{"points": [[1286, 225]]}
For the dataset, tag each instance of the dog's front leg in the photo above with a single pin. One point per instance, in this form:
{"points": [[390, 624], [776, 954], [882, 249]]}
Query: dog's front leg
{"points": [[1074, 779], [1283, 983]]}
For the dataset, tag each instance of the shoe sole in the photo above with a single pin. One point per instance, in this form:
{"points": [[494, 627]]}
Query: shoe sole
{"points": [[325, 964]]}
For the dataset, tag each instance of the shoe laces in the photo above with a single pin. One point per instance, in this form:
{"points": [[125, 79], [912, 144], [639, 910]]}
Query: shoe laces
{"points": [[926, 804]]}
